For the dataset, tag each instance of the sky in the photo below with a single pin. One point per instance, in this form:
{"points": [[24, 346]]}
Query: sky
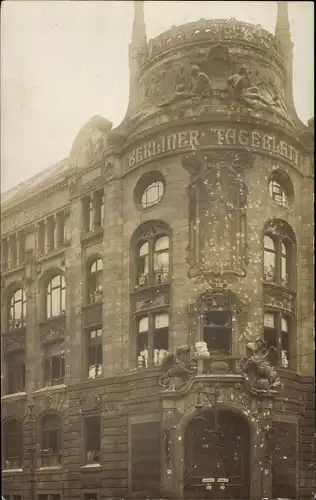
{"points": [[63, 62]]}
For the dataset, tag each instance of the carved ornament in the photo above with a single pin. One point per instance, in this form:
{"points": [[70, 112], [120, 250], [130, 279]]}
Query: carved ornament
{"points": [[259, 369], [14, 341], [277, 297], [52, 330], [178, 368], [90, 402]]}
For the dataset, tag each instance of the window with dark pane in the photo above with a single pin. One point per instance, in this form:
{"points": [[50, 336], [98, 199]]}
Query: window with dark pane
{"points": [[87, 214], [90, 496], [278, 253], [284, 456], [145, 456], [15, 368], [51, 443], [98, 208], [217, 331], [13, 444], [94, 352], [54, 369], [93, 438]]}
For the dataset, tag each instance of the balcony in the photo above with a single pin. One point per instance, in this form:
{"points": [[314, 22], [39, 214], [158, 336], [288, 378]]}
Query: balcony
{"points": [[92, 314]]}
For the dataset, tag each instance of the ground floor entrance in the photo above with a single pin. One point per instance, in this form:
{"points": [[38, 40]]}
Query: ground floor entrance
{"points": [[217, 456]]}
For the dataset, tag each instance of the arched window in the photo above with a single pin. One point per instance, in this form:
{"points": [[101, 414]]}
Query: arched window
{"points": [[95, 275], [279, 246], [51, 440], [17, 309], [152, 338], [152, 259], [56, 296], [13, 444], [281, 188]]}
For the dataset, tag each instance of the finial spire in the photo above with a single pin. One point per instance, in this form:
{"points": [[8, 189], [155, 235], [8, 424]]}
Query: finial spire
{"points": [[282, 26], [139, 28]]}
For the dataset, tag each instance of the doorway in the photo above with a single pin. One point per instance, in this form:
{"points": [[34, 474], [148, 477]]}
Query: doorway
{"points": [[217, 464]]}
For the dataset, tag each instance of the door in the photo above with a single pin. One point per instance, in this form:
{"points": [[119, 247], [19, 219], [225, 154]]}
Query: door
{"points": [[216, 464]]}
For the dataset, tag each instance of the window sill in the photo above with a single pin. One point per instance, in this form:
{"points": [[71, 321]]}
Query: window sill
{"points": [[279, 286], [13, 395], [91, 235], [87, 466], [141, 288], [49, 254], [51, 388], [12, 270], [10, 471], [50, 467]]}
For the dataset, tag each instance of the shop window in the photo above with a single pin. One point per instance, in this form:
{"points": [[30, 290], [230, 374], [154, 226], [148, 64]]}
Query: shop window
{"points": [[13, 444], [95, 353], [17, 309], [92, 439], [51, 441], [56, 296]]}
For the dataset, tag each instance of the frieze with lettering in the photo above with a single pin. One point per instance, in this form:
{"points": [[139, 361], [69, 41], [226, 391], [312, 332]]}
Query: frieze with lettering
{"points": [[208, 137]]}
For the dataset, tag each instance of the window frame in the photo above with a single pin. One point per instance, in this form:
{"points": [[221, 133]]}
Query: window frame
{"points": [[93, 345], [12, 320], [151, 315], [20, 435], [150, 279], [157, 184], [49, 290], [94, 291], [46, 427], [18, 364], [289, 244], [85, 451], [278, 316], [48, 369]]}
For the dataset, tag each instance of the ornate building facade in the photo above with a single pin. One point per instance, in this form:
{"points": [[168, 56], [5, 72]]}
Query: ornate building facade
{"points": [[157, 285]]}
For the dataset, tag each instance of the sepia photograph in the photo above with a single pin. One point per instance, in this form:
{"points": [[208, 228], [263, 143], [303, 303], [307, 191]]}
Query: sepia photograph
{"points": [[157, 250]]}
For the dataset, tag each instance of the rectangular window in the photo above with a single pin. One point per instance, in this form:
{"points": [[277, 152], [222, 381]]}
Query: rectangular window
{"points": [[54, 369], [15, 373], [270, 331], [99, 209], [142, 342], [277, 335], [87, 214], [93, 439], [95, 353], [217, 332]]}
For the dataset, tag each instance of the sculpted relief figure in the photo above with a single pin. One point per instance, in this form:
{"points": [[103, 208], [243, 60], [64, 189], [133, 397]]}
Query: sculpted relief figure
{"points": [[259, 368], [199, 86], [178, 369], [244, 92]]}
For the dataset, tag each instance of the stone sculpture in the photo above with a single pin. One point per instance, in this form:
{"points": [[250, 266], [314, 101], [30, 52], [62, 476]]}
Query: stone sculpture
{"points": [[259, 368], [178, 369], [244, 92], [199, 86]]}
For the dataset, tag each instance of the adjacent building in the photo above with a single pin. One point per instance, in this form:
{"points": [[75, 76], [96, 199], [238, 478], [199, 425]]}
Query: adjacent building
{"points": [[157, 285]]}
